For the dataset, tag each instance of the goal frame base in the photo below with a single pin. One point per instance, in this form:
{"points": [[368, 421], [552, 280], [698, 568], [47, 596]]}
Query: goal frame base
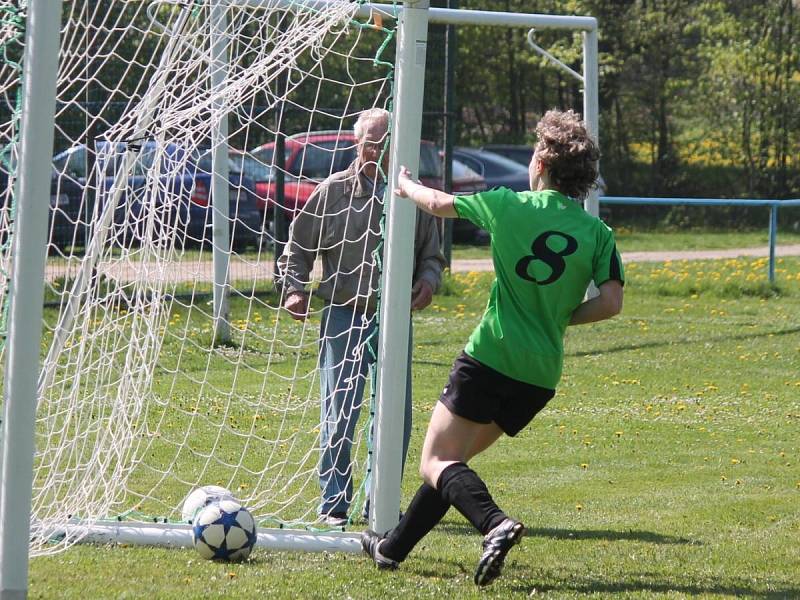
{"points": [[179, 535]]}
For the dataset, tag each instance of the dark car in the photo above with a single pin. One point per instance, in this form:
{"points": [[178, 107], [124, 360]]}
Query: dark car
{"points": [[519, 153], [247, 221], [180, 200], [496, 170], [467, 181], [64, 216]]}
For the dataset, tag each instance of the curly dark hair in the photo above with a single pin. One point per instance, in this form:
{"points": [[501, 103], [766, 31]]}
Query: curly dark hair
{"points": [[568, 152]]}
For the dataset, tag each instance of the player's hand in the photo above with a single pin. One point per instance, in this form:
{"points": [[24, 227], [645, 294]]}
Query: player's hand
{"points": [[421, 295], [404, 182], [297, 305]]}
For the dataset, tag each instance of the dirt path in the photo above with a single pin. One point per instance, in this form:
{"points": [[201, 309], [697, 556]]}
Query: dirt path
{"points": [[485, 264], [246, 270]]}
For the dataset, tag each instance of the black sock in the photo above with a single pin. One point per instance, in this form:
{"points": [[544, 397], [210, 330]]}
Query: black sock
{"points": [[460, 486], [425, 511]]}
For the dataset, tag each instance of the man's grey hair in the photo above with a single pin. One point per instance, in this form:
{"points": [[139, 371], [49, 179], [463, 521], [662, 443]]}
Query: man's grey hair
{"points": [[371, 114]]}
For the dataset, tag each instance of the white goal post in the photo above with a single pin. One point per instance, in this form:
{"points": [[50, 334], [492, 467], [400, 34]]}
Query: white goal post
{"points": [[22, 356], [108, 435]]}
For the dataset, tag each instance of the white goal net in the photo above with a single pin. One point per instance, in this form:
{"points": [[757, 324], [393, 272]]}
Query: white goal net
{"points": [[167, 364]]}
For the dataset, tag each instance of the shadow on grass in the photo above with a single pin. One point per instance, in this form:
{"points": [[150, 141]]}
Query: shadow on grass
{"points": [[578, 534], [607, 534], [640, 346], [734, 588], [673, 342], [433, 363], [435, 567]]}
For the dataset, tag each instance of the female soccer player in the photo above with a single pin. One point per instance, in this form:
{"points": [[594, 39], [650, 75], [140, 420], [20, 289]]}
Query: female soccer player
{"points": [[546, 250]]}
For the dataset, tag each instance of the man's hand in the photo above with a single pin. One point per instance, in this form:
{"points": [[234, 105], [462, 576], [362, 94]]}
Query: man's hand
{"points": [[297, 305], [421, 295]]}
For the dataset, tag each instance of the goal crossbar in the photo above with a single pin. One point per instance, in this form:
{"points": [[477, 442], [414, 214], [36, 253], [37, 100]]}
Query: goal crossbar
{"points": [[441, 16]]}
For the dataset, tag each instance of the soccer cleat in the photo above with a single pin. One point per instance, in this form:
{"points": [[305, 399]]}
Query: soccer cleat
{"points": [[335, 519], [370, 544], [496, 545]]}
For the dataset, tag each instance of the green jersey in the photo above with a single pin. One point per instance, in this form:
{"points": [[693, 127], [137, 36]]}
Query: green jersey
{"points": [[546, 250]]}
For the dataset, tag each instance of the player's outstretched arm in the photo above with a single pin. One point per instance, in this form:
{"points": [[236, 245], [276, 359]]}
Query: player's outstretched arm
{"points": [[428, 199], [603, 306]]}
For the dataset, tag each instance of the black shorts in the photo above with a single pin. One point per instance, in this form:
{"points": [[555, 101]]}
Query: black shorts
{"points": [[481, 394]]}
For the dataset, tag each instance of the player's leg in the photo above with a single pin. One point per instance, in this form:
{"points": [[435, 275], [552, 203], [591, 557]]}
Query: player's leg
{"points": [[473, 412], [449, 439], [459, 430], [449, 443], [462, 487], [428, 507]]}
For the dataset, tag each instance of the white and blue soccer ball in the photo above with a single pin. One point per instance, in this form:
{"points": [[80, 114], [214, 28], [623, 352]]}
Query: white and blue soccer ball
{"points": [[224, 530], [201, 497]]}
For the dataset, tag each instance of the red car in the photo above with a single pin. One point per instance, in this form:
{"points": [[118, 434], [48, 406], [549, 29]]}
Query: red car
{"points": [[311, 157]]}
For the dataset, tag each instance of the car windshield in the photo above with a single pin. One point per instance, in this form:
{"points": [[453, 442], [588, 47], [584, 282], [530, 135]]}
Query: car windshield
{"points": [[205, 162], [252, 167], [320, 159], [462, 171], [518, 154], [494, 165], [430, 163], [71, 162], [266, 154]]}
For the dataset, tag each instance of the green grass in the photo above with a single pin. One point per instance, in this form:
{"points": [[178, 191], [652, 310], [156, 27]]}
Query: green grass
{"points": [[637, 240], [667, 466]]}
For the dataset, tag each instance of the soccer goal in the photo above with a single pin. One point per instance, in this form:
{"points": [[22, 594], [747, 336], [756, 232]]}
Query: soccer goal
{"points": [[151, 155]]}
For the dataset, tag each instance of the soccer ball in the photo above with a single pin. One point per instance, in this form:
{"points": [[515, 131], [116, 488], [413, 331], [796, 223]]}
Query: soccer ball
{"points": [[224, 530], [198, 498]]}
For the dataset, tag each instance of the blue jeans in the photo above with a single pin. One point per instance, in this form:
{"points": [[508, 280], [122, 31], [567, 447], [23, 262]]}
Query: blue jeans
{"points": [[346, 356]]}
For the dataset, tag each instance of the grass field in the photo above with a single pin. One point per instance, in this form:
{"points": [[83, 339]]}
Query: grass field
{"points": [[667, 466]]}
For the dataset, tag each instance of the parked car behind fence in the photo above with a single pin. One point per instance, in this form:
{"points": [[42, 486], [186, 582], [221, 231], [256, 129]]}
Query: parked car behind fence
{"points": [[311, 157], [179, 201], [65, 201], [467, 181], [519, 153], [496, 170]]}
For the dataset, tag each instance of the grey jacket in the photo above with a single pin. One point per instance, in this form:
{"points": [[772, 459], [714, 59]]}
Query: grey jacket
{"points": [[341, 223]]}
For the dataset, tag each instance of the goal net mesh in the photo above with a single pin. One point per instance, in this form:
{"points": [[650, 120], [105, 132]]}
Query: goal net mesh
{"points": [[139, 404]]}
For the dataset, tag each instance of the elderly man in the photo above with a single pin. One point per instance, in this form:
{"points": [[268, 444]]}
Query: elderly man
{"points": [[341, 224]]}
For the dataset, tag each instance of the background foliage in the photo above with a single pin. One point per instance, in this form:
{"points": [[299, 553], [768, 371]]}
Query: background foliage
{"points": [[698, 98]]}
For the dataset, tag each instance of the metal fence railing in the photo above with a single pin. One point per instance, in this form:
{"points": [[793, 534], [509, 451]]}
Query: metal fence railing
{"points": [[773, 205]]}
